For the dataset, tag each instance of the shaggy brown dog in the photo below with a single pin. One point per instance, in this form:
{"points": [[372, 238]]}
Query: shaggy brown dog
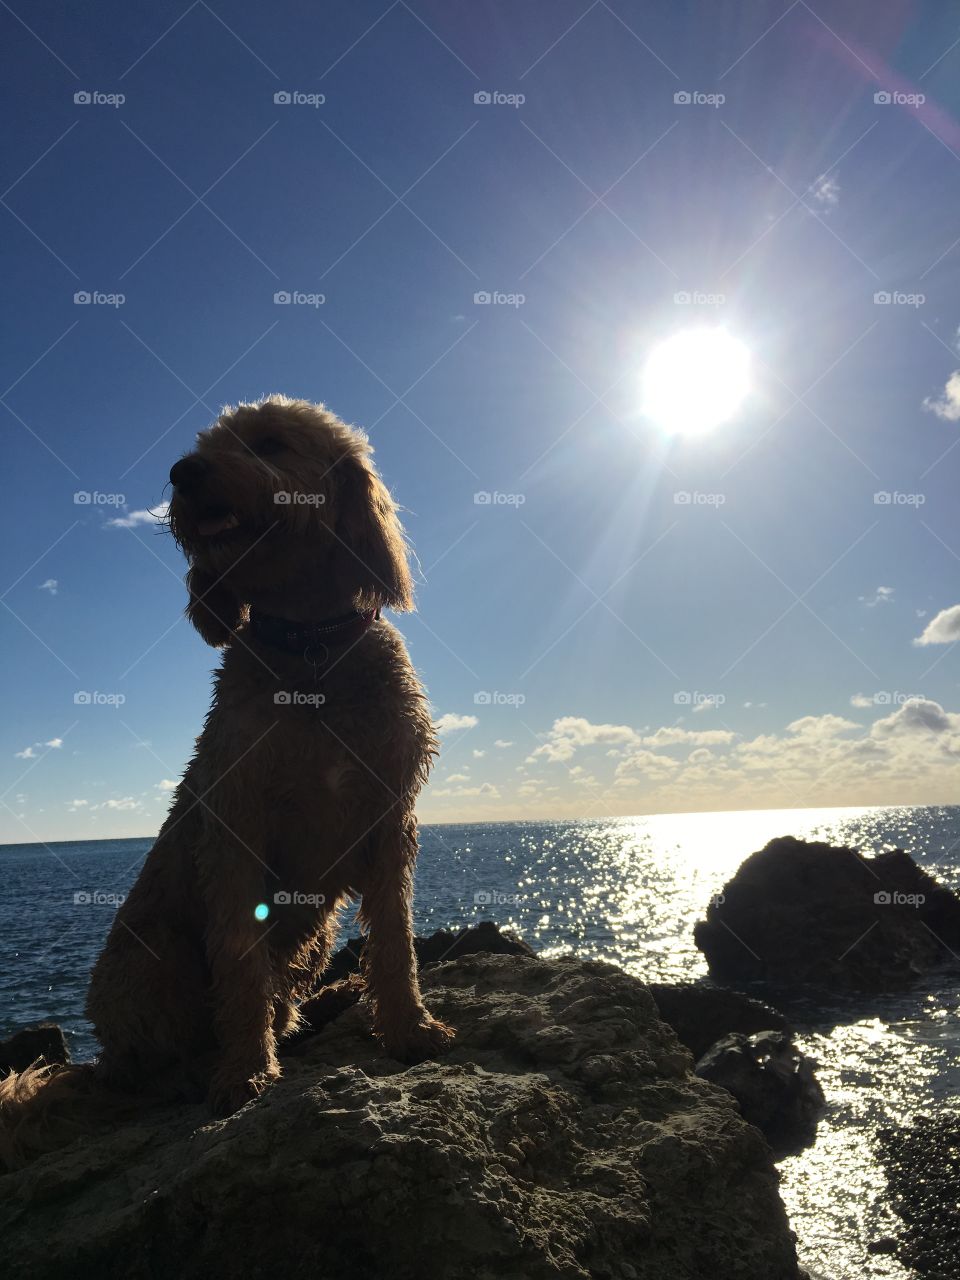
{"points": [[301, 792]]}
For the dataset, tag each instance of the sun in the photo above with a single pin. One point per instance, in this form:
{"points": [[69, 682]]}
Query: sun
{"points": [[695, 380]]}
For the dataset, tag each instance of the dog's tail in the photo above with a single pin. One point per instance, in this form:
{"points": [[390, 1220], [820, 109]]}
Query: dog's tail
{"points": [[46, 1107]]}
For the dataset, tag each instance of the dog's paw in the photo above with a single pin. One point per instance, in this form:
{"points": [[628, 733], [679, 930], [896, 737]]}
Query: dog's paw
{"points": [[427, 1038], [228, 1093]]}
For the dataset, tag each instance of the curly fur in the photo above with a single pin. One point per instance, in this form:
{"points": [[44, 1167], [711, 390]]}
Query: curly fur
{"points": [[192, 991]]}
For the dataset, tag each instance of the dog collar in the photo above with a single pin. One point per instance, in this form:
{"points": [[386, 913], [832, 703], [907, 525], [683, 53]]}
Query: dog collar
{"points": [[311, 640]]}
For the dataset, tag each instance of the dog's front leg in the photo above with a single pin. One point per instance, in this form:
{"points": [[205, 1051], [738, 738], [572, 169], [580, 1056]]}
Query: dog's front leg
{"points": [[241, 971], [403, 1024]]}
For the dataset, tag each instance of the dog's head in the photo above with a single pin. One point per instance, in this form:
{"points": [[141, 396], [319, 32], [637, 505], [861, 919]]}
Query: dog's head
{"points": [[282, 498]]}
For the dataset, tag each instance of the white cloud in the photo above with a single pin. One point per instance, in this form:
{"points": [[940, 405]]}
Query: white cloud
{"points": [[486, 791], [826, 190], [943, 629], [165, 784], [30, 753], [458, 777], [132, 518], [570, 733], [918, 715], [502, 745], [828, 726], [451, 722], [478, 755], [126, 803], [77, 804], [643, 764], [50, 585], [882, 595], [947, 405], [673, 735], [861, 700]]}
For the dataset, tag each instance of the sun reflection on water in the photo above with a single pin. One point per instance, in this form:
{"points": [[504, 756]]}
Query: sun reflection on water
{"points": [[629, 891]]}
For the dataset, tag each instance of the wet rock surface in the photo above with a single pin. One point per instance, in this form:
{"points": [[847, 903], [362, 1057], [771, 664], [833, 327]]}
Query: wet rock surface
{"points": [[564, 1136]]}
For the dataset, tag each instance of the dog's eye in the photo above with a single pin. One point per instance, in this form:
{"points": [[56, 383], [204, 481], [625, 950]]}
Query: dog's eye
{"points": [[267, 447]]}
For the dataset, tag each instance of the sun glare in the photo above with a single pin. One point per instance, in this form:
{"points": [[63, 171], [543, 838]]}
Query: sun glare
{"points": [[695, 380]]}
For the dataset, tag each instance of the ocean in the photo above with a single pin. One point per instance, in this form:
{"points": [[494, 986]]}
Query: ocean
{"points": [[625, 890]]}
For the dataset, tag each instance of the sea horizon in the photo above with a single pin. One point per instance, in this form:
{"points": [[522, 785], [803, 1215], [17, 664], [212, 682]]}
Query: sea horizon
{"points": [[528, 820]]}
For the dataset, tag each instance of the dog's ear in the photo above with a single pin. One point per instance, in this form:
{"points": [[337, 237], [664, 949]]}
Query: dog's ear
{"points": [[212, 608], [370, 558]]}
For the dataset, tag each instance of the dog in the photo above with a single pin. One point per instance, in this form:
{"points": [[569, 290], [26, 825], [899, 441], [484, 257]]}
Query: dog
{"points": [[301, 792]]}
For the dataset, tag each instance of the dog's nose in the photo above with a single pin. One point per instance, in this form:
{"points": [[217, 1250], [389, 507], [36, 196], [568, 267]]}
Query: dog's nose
{"points": [[188, 472]]}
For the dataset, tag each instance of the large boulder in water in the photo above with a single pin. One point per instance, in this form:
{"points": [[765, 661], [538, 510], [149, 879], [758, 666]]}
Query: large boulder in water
{"points": [[799, 912], [773, 1082], [564, 1137]]}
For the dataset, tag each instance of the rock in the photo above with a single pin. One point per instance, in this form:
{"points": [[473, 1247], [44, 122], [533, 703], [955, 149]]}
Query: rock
{"points": [[45, 1040], [442, 945], [922, 1160], [564, 1137], [701, 1015], [799, 912], [774, 1084]]}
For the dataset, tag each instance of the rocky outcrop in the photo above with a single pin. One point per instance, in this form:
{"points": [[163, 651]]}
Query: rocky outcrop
{"points": [[799, 912], [442, 945], [773, 1082], [922, 1161], [701, 1015], [45, 1040], [564, 1137]]}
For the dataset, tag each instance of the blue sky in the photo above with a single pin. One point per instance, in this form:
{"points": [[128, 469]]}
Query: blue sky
{"points": [[638, 622]]}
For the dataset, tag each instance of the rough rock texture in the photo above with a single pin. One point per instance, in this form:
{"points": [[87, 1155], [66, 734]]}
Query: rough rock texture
{"points": [[810, 912], [773, 1082], [45, 1040], [702, 1015], [923, 1167], [439, 946], [564, 1137]]}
